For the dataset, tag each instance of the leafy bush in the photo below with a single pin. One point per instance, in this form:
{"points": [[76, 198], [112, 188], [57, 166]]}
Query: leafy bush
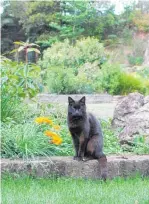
{"points": [[130, 83], [61, 80], [69, 70], [67, 81], [20, 79], [116, 81], [64, 54], [69, 66], [10, 106], [135, 60], [17, 82], [110, 78]]}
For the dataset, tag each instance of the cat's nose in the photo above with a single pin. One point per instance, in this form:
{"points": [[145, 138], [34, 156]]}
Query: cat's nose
{"points": [[77, 113]]}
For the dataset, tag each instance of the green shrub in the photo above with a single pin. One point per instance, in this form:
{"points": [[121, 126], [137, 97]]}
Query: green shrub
{"points": [[116, 81], [129, 83], [69, 66], [10, 106], [20, 79], [110, 78], [17, 82], [60, 80], [65, 54], [135, 60], [66, 81]]}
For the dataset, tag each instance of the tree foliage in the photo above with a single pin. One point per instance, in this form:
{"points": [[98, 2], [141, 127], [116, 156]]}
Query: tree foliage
{"points": [[46, 22], [141, 21]]}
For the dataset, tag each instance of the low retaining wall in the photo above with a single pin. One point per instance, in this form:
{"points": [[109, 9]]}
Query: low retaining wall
{"points": [[91, 98], [66, 166]]}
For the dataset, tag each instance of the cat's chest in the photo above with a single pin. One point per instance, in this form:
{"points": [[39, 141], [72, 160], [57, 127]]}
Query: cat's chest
{"points": [[76, 129], [76, 124]]}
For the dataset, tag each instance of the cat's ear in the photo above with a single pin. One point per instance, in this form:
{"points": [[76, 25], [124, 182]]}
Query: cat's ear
{"points": [[70, 101], [82, 100]]}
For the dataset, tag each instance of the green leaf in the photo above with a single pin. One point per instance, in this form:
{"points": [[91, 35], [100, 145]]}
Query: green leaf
{"points": [[33, 50], [15, 50], [4, 79], [33, 44], [19, 43], [21, 48], [31, 86], [26, 67]]}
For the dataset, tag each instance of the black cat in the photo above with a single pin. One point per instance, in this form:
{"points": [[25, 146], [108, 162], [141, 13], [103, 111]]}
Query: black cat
{"points": [[86, 133]]}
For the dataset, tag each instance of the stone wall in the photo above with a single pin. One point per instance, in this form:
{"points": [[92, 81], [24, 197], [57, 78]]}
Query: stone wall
{"points": [[65, 166]]}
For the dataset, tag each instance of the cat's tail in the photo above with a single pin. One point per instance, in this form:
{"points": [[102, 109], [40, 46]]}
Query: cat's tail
{"points": [[103, 167]]}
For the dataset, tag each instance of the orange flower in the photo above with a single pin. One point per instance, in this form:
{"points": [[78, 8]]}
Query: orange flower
{"points": [[56, 127], [50, 133], [48, 121], [40, 120], [56, 140]]}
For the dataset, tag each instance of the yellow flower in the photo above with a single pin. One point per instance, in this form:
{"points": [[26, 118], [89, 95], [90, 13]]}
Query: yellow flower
{"points": [[40, 120], [50, 133], [48, 121], [56, 140], [56, 127]]}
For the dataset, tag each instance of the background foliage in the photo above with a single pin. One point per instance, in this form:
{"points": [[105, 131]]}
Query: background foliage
{"points": [[48, 22]]}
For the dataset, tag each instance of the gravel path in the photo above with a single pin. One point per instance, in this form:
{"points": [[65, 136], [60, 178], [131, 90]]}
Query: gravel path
{"points": [[102, 110], [101, 105]]}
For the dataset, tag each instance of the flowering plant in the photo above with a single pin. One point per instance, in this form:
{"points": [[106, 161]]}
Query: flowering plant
{"points": [[54, 137]]}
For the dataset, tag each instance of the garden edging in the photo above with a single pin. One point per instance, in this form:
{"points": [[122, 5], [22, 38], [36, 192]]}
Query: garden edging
{"points": [[65, 166]]}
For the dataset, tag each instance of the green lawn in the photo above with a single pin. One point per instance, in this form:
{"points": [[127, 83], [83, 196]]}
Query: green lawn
{"points": [[26, 190]]}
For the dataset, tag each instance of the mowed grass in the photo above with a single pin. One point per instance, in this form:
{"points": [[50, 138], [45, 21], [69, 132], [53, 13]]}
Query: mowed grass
{"points": [[25, 190]]}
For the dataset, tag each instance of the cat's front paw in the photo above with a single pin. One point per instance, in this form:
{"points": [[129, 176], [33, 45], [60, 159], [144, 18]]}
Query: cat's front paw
{"points": [[85, 159], [77, 158]]}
